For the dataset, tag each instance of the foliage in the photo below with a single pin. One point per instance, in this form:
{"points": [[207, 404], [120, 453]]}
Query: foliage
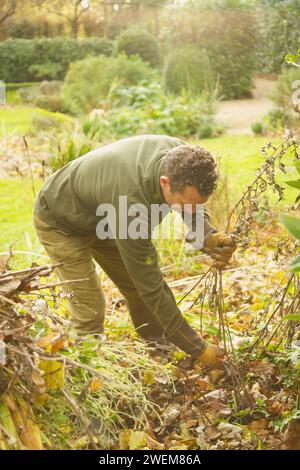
{"points": [[88, 82], [292, 224], [145, 108], [258, 128], [278, 32], [227, 35], [45, 58], [188, 68], [70, 148], [287, 93], [138, 41], [46, 95]]}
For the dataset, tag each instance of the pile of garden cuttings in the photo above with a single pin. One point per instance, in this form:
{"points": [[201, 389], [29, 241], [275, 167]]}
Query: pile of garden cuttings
{"points": [[59, 390]]}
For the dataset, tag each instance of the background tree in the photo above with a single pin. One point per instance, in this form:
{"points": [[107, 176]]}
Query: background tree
{"points": [[7, 9], [71, 10]]}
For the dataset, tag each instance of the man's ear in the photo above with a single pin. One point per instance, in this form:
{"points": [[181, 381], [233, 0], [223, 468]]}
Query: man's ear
{"points": [[164, 181]]}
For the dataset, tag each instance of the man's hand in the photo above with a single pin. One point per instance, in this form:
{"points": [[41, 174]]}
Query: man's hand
{"points": [[220, 247], [212, 357]]}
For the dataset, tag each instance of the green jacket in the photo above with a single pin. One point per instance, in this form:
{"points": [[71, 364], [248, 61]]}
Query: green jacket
{"points": [[128, 167]]}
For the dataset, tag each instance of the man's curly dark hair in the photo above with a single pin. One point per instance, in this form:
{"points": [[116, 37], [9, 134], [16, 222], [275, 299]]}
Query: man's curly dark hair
{"points": [[190, 165]]}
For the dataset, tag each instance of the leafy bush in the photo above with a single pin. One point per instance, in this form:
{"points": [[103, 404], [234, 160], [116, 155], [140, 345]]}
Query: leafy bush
{"points": [[292, 224], [147, 109], [278, 32], [38, 26], [69, 150], [46, 95], [138, 41], [228, 35], [50, 87], [89, 82], [54, 103], [44, 122], [29, 94], [47, 71], [258, 128], [287, 93], [188, 68], [25, 60], [25, 29], [274, 121]]}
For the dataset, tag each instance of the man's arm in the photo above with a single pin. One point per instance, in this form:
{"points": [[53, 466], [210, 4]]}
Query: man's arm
{"points": [[140, 259]]}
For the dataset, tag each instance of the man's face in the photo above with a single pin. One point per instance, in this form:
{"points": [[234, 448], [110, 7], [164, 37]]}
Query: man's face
{"points": [[189, 195]]}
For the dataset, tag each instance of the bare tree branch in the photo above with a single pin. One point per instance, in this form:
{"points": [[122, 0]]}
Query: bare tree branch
{"points": [[7, 9]]}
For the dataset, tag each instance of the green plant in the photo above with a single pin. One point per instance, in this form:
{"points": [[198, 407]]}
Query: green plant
{"points": [[88, 82], [52, 103], [44, 122], [226, 33], [45, 58], [287, 85], [146, 108], [46, 71], [68, 149], [258, 128], [138, 41], [292, 224], [277, 26], [188, 68]]}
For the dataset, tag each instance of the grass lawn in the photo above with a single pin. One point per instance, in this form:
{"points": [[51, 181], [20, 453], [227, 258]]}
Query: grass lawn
{"points": [[240, 157], [18, 119], [16, 201]]}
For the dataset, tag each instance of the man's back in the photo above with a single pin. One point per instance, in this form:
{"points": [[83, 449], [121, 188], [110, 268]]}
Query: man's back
{"points": [[70, 197]]}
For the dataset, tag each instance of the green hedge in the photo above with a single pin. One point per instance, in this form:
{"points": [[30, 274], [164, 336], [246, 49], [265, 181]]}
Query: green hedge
{"points": [[27, 60], [138, 41], [188, 68]]}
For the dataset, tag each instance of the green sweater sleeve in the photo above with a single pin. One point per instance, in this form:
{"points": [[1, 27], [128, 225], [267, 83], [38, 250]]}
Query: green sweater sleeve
{"points": [[140, 259]]}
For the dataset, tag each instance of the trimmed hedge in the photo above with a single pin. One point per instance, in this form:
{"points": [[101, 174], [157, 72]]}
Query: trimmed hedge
{"points": [[188, 68], [28, 60], [138, 41]]}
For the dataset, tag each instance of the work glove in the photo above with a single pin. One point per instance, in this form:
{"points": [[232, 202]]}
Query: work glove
{"points": [[220, 247], [212, 357]]}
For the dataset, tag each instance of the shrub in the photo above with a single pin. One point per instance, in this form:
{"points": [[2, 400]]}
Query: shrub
{"points": [[228, 35], [50, 87], [25, 60], [147, 109], [188, 68], [47, 71], [46, 95], [69, 150], [285, 88], [276, 120], [258, 128], [278, 32], [43, 122], [29, 94], [52, 103], [89, 82], [138, 41]]}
